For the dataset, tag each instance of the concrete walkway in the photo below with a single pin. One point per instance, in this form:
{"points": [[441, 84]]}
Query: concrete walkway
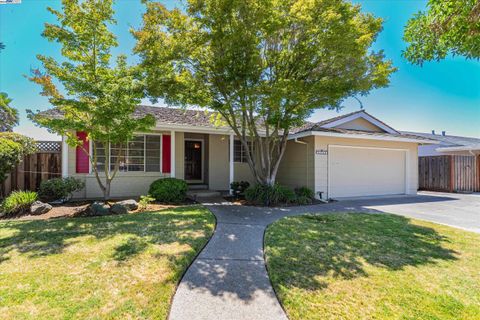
{"points": [[229, 280]]}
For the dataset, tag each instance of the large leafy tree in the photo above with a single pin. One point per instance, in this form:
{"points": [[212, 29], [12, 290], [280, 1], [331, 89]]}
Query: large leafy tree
{"points": [[263, 66], [447, 27], [91, 93], [8, 114]]}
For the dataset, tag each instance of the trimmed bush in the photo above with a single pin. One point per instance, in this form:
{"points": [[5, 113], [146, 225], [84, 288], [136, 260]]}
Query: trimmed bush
{"points": [[269, 195], [305, 192], [169, 190], [18, 202], [59, 188]]}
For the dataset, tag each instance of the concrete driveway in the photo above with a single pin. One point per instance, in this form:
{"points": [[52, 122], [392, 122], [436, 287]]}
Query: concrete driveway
{"points": [[453, 209]]}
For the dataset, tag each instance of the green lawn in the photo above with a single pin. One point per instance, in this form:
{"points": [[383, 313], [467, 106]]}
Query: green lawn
{"points": [[115, 267], [361, 266]]}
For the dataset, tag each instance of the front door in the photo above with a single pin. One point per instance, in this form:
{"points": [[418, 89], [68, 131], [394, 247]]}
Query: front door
{"points": [[193, 160]]}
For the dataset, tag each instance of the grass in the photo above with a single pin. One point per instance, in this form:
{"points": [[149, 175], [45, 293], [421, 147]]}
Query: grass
{"points": [[373, 266], [115, 267]]}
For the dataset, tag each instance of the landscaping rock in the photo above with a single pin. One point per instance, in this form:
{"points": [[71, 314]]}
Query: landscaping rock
{"points": [[98, 209], [130, 204], [39, 207], [118, 208]]}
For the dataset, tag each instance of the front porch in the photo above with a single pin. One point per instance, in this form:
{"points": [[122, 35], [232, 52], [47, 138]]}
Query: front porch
{"points": [[206, 161]]}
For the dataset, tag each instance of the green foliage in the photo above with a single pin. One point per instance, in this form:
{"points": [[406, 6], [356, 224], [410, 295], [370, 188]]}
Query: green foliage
{"points": [[13, 147], [263, 194], [99, 97], [59, 188], [303, 200], [261, 66], [305, 192], [18, 202], [8, 114], [448, 27], [239, 187], [145, 201], [169, 190]]}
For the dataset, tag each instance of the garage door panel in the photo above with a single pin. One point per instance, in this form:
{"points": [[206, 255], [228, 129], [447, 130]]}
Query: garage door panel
{"points": [[357, 172]]}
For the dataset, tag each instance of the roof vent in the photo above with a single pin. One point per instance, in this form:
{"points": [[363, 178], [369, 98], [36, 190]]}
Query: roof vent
{"points": [[433, 131], [443, 133]]}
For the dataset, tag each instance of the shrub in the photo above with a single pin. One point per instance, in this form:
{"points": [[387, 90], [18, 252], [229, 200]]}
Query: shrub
{"points": [[169, 190], [302, 200], [13, 147], [305, 192], [144, 202], [18, 202], [59, 188], [239, 187], [269, 195]]}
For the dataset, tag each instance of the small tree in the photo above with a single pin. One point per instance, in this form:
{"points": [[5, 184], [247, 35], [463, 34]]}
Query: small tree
{"points": [[13, 148], [99, 98], [449, 26], [8, 114], [263, 66]]}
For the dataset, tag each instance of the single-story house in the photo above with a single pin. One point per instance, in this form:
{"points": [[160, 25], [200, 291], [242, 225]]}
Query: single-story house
{"points": [[348, 156], [452, 165]]}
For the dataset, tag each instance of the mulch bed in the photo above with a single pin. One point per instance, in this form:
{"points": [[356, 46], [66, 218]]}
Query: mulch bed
{"points": [[76, 209], [242, 202]]}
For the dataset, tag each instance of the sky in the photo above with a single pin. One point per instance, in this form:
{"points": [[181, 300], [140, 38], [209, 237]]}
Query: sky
{"points": [[439, 96]]}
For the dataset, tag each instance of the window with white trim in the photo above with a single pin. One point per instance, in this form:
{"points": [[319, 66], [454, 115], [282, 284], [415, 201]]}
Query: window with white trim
{"points": [[142, 153], [239, 152]]}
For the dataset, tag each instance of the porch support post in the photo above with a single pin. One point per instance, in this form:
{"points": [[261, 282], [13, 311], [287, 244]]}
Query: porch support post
{"points": [[64, 157], [172, 154], [231, 176]]}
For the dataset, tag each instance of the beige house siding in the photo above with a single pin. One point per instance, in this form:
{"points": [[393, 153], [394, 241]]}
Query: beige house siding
{"points": [[359, 124], [218, 162], [179, 155], [321, 160], [297, 168], [242, 172]]}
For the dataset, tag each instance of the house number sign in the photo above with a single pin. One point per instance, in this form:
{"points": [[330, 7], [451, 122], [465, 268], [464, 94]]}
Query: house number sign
{"points": [[322, 152]]}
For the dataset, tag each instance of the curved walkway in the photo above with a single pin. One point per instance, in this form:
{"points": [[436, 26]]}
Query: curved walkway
{"points": [[229, 280]]}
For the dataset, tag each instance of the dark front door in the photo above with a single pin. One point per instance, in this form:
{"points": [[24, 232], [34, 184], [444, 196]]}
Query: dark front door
{"points": [[193, 160]]}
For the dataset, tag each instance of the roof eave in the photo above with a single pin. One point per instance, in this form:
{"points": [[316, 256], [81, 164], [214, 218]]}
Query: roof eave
{"points": [[360, 136]]}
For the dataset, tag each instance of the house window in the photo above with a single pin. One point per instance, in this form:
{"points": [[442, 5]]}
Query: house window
{"points": [[141, 154], [239, 152]]}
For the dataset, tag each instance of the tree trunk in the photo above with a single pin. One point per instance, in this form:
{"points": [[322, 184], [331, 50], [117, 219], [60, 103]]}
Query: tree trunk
{"points": [[106, 190]]}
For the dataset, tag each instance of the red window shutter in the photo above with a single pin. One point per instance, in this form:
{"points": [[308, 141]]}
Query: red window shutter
{"points": [[166, 153], [82, 156]]}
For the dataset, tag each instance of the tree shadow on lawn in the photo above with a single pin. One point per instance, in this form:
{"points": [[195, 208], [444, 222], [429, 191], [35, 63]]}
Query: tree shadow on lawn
{"points": [[301, 249], [46, 237]]}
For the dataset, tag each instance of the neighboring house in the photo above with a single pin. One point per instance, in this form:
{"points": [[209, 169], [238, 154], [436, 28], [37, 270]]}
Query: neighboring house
{"points": [[448, 145], [453, 165], [347, 156]]}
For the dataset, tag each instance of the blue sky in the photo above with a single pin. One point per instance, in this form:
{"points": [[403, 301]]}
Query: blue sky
{"points": [[441, 95]]}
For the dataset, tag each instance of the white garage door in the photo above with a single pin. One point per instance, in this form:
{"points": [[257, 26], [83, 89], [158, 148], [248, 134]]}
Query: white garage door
{"points": [[356, 172]]}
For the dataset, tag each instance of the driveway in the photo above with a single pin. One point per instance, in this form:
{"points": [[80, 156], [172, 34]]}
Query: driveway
{"points": [[229, 280], [453, 209]]}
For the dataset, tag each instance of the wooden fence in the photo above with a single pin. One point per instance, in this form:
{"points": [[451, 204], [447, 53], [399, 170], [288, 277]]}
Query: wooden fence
{"points": [[452, 173], [35, 168]]}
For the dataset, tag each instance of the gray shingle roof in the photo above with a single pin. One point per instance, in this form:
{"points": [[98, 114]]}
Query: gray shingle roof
{"points": [[447, 140], [200, 118]]}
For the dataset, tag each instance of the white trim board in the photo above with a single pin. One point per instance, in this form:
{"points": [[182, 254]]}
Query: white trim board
{"points": [[359, 136], [363, 115], [407, 163]]}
